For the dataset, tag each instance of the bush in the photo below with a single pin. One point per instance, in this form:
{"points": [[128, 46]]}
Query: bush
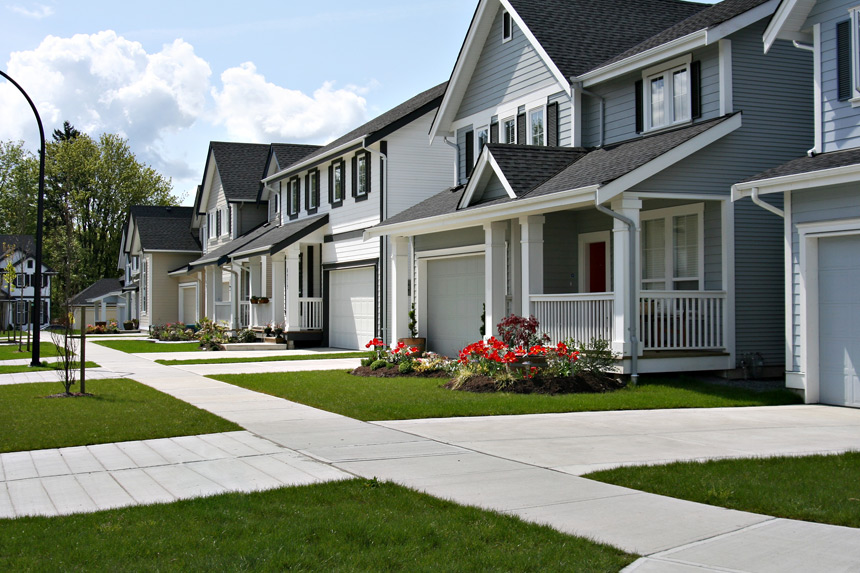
{"points": [[394, 355], [377, 364], [171, 332], [596, 356], [517, 331], [246, 335], [367, 361], [405, 367], [212, 336]]}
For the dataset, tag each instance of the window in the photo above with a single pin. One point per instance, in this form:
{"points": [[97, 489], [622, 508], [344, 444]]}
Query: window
{"points": [[312, 191], [22, 312], [276, 200], [294, 199], [228, 219], [536, 127], [362, 183], [218, 223], [20, 280], [31, 264], [509, 130], [483, 134], [672, 248], [668, 97], [210, 223], [507, 27], [336, 184], [848, 57]]}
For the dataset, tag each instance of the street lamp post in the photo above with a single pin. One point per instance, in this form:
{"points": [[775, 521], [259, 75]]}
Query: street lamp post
{"points": [[40, 208]]}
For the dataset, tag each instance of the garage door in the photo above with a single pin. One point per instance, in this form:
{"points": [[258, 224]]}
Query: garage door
{"points": [[351, 308], [455, 299], [188, 300], [839, 319]]}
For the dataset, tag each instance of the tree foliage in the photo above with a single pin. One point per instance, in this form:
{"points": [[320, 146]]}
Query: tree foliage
{"points": [[19, 185]]}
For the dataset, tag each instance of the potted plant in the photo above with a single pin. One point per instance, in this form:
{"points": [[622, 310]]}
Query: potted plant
{"points": [[268, 330], [278, 331], [263, 300], [255, 299], [419, 343]]}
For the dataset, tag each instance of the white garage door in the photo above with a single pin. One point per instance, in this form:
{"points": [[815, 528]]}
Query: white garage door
{"points": [[455, 299], [839, 319], [189, 305], [351, 308]]}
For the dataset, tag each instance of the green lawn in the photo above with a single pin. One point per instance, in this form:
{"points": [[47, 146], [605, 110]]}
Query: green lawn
{"points": [[411, 398], [145, 346], [46, 349], [228, 360], [15, 369], [355, 525], [814, 488], [120, 410]]}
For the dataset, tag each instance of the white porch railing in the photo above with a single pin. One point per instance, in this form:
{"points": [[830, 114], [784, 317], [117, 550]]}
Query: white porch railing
{"points": [[311, 311], [682, 320], [244, 314], [223, 312], [578, 316]]}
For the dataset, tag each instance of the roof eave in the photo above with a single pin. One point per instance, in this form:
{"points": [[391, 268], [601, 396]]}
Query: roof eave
{"points": [[779, 27], [798, 181], [290, 170]]}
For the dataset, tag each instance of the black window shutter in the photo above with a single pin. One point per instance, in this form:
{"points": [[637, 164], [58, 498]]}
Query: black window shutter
{"points": [[521, 129], [552, 124], [308, 191], [843, 59], [696, 89], [640, 107], [494, 132], [470, 152], [330, 184], [354, 178]]}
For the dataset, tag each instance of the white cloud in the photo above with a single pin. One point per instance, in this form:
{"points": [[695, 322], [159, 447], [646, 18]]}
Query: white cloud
{"points": [[38, 12], [253, 109]]}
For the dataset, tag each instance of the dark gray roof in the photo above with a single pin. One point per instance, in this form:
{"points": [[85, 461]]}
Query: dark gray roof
{"points": [[525, 166], [241, 167], [165, 228], [579, 34], [403, 113], [289, 153], [214, 256], [280, 237], [702, 20], [820, 162], [583, 169], [24, 243], [98, 289]]}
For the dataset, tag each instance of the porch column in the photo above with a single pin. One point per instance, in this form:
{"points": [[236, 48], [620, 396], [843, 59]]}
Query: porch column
{"points": [[103, 310], [209, 293], [400, 306], [516, 270], [292, 320], [531, 241], [278, 289], [494, 275], [621, 274]]}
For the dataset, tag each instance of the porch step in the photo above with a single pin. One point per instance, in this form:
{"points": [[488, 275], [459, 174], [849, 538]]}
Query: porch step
{"points": [[254, 346]]}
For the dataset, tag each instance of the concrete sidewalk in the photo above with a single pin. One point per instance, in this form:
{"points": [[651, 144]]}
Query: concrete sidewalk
{"points": [[528, 466]]}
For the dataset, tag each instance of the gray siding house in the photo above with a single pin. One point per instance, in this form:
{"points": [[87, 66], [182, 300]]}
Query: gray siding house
{"points": [[819, 196], [570, 137]]}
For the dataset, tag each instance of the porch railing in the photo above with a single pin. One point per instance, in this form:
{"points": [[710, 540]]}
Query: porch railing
{"points": [[311, 311], [678, 320], [223, 312], [578, 316], [244, 314]]}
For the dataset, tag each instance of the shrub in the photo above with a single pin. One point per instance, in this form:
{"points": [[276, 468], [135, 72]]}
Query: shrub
{"points": [[212, 336], [246, 335], [520, 331], [377, 364], [394, 355], [367, 361], [171, 332], [405, 367], [596, 357]]}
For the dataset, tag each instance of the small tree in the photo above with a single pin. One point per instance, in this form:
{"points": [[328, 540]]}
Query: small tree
{"points": [[67, 348], [9, 271], [413, 324]]}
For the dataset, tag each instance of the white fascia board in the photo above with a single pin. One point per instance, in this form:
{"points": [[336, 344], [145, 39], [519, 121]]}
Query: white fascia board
{"points": [[180, 272], [668, 159], [798, 182], [300, 166], [741, 21], [169, 251], [480, 177], [777, 23], [512, 210], [645, 59]]}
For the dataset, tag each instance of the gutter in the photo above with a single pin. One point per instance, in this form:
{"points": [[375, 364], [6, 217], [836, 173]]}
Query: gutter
{"points": [[456, 147], [764, 205], [631, 289]]}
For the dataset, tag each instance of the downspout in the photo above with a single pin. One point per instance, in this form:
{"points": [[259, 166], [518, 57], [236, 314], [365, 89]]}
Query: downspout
{"points": [[578, 87], [383, 241], [631, 289], [808, 48], [765, 205], [456, 147]]}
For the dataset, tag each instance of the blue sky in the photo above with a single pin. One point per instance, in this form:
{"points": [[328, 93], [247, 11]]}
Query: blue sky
{"points": [[173, 75]]}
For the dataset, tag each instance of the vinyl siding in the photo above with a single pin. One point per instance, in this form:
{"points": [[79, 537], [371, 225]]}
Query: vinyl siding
{"points": [[813, 205], [565, 118], [450, 239], [462, 168], [163, 290], [504, 72], [561, 247]]}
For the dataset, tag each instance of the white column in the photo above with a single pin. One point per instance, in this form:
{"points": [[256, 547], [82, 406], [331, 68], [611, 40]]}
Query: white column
{"points": [[104, 310], [400, 306], [516, 269], [494, 274], [279, 288], [621, 273], [531, 241], [292, 320]]}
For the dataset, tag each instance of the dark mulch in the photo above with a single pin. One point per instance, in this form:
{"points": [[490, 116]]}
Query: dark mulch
{"points": [[393, 372], [70, 395], [585, 383]]}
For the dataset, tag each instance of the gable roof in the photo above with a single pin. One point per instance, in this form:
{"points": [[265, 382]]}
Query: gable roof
{"points": [[24, 243], [375, 129], [788, 22], [831, 168], [167, 234], [219, 255], [280, 237], [240, 166], [526, 165], [98, 289]]}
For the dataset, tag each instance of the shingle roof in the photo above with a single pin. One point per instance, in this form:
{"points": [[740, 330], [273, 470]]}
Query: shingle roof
{"points": [[579, 34], [212, 257], [820, 162], [98, 289], [165, 228], [289, 153], [163, 211], [282, 236], [426, 99], [24, 243], [241, 167], [702, 20], [583, 169], [525, 166]]}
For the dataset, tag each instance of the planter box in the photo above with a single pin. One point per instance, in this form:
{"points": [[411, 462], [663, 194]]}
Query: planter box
{"points": [[419, 343]]}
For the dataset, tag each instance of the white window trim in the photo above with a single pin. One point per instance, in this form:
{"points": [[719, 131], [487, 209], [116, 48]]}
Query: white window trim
{"points": [[504, 132], [529, 112], [507, 109], [211, 225], [359, 180], [338, 165], [507, 16], [669, 249], [855, 55], [485, 128], [666, 69], [313, 185], [294, 200]]}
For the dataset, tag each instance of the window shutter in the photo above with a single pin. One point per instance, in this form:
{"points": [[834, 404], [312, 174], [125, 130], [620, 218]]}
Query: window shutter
{"points": [[552, 124], [308, 191], [494, 132], [843, 59], [640, 107], [330, 184], [521, 129], [470, 152], [696, 89], [354, 175]]}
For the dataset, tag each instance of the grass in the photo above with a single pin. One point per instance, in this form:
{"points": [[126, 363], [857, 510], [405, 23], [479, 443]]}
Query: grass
{"points": [[356, 525], [10, 351], [120, 410], [144, 346], [813, 488], [412, 398], [238, 360], [25, 368]]}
